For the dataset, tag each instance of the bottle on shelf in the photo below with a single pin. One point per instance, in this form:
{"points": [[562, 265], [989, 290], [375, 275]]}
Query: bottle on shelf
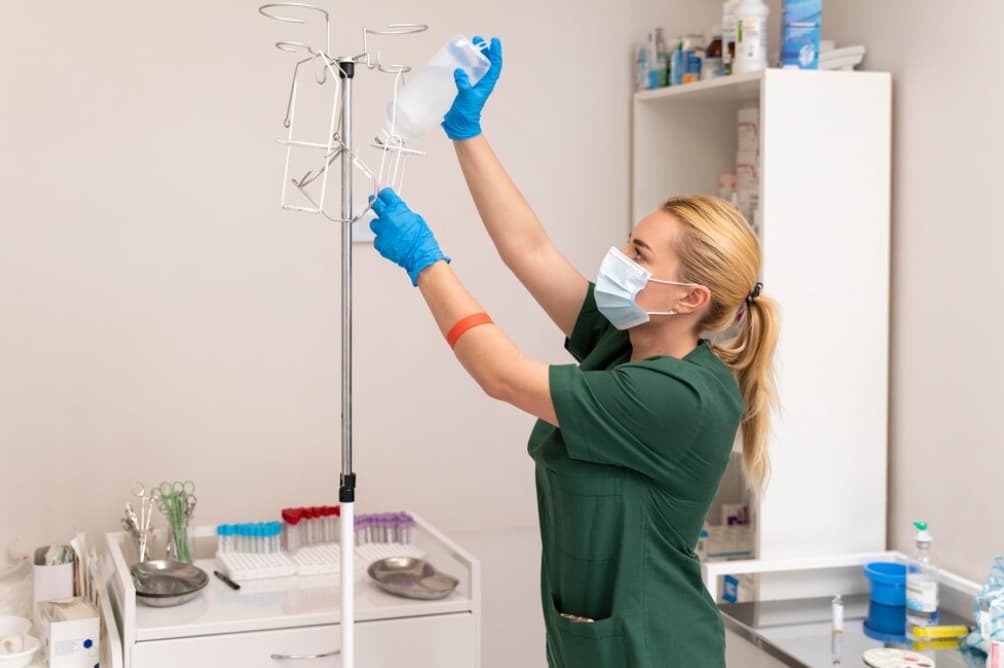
{"points": [[653, 69], [728, 35], [712, 65], [661, 57], [751, 36], [641, 68]]}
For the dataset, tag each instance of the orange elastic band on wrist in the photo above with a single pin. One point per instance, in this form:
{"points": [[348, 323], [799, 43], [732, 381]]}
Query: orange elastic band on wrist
{"points": [[465, 324]]}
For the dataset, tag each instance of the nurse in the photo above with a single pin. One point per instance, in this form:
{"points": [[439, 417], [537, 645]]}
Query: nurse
{"points": [[632, 442]]}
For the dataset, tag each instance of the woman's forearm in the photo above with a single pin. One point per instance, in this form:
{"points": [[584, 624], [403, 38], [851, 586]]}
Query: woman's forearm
{"points": [[487, 354], [511, 223]]}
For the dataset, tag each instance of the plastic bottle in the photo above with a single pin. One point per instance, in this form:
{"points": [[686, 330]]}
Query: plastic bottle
{"points": [[921, 584], [428, 92], [661, 57], [693, 56], [751, 36], [641, 68], [678, 61], [712, 65], [729, 35], [653, 66]]}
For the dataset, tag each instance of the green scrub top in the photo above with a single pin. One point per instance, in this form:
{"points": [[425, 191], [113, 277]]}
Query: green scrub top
{"points": [[623, 488]]}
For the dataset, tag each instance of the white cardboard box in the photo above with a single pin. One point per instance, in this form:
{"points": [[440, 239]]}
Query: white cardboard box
{"points": [[70, 633]]}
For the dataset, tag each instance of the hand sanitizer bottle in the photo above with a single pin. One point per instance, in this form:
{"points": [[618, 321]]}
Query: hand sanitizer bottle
{"points": [[921, 584]]}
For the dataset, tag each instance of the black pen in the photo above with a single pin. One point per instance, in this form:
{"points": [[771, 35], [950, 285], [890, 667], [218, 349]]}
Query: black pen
{"points": [[230, 583]]}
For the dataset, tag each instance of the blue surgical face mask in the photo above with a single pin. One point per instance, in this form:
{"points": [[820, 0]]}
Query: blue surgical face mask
{"points": [[618, 283]]}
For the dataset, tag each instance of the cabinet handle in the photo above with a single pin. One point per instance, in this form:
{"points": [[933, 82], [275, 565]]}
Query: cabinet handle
{"points": [[304, 657]]}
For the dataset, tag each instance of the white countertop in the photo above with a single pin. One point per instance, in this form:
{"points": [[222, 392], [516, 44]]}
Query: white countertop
{"points": [[281, 603]]}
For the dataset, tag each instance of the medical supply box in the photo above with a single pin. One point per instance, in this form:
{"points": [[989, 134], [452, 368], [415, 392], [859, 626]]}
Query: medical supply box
{"points": [[70, 633]]}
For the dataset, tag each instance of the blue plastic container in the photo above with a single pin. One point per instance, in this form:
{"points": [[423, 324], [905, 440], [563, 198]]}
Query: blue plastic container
{"points": [[886, 621], [888, 583]]}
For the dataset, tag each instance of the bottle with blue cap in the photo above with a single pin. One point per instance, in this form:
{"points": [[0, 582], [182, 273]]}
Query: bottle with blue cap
{"points": [[921, 583]]}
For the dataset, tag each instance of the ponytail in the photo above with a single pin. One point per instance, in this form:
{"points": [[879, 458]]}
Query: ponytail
{"points": [[719, 250], [750, 355]]}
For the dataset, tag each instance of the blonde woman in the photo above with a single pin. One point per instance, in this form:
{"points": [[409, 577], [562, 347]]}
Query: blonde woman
{"points": [[632, 442]]}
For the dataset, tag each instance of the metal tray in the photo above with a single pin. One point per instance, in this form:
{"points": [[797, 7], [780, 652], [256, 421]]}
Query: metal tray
{"points": [[412, 578], [162, 583]]}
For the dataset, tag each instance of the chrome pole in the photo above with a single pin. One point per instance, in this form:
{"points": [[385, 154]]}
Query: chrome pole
{"points": [[347, 487]]}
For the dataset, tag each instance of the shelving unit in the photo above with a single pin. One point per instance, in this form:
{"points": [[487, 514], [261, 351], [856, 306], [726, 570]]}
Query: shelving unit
{"points": [[825, 165]]}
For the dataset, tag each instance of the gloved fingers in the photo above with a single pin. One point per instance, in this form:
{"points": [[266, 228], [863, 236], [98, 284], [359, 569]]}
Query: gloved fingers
{"points": [[385, 247], [378, 207], [478, 41], [495, 57], [389, 198], [462, 80]]}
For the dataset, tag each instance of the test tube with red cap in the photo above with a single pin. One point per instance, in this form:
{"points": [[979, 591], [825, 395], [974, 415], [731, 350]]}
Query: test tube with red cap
{"points": [[293, 526]]}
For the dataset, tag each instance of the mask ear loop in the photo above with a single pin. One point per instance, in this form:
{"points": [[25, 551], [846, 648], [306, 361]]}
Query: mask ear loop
{"points": [[686, 285]]}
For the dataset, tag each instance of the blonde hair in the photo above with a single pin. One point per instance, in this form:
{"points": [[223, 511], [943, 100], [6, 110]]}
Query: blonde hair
{"points": [[718, 249]]}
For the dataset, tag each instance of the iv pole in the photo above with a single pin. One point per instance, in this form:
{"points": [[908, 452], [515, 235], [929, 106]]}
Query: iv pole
{"points": [[340, 144], [347, 482]]}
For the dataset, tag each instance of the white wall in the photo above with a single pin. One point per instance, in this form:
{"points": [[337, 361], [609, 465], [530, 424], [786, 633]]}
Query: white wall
{"points": [[945, 453], [163, 319]]}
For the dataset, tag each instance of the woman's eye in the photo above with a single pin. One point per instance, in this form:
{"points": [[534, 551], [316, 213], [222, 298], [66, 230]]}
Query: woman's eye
{"points": [[638, 256]]}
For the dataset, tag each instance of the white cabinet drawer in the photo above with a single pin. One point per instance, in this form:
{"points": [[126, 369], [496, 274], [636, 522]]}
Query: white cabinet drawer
{"points": [[447, 641]]}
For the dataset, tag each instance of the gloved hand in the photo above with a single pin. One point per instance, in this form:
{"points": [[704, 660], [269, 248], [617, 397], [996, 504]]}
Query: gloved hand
{"points": [[463, 120], [402, 235]]}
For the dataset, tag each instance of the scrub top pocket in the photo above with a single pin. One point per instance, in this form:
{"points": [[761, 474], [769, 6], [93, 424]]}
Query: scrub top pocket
{"points": [[598, 644]]}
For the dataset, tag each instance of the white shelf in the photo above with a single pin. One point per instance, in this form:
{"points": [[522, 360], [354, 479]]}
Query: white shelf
{"points": [[736, 87], [825, 141]]}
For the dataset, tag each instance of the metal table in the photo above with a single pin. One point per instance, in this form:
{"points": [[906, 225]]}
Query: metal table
{"points": [[798, 633]]}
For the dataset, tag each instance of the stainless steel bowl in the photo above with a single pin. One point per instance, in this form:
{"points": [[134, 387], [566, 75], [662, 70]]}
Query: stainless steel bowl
{"points": [[163, 583], [412, 578]]}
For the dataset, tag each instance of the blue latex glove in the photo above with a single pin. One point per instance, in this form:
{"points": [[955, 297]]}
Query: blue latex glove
{"points": [[463, 120], [402, 235]]}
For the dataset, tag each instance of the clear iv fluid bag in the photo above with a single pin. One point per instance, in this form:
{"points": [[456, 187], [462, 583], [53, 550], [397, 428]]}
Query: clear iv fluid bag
{"points": [[427, 93]]}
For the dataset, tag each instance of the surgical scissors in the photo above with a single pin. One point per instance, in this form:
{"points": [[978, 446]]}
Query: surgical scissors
{"points": [[145, 517], [177, 501]]}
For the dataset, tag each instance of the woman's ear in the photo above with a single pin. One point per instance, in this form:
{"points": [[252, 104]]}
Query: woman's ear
{"points": [[695, 299]]}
